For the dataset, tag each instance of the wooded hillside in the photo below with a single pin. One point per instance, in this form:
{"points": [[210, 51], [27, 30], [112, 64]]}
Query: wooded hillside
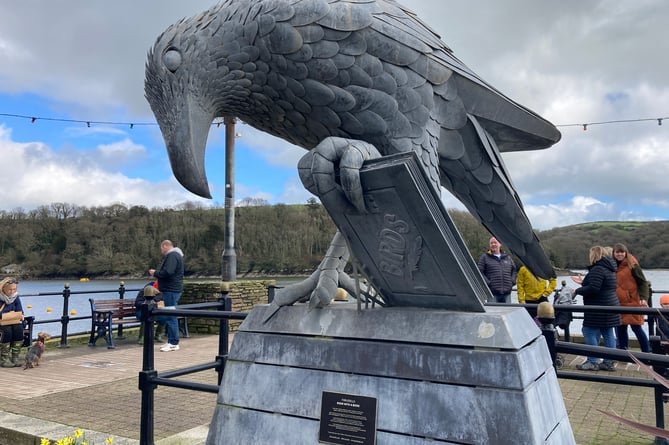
{"points": [[63, 240]]}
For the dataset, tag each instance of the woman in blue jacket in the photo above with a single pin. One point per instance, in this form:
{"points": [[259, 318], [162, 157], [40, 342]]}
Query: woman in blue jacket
{"points": [[11, 323]]}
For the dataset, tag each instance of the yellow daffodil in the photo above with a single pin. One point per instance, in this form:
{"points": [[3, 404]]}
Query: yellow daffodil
{"points": [[77, 438]]}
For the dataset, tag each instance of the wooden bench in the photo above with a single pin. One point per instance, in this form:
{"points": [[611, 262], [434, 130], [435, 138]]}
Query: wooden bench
{"points": [[120, 312]]}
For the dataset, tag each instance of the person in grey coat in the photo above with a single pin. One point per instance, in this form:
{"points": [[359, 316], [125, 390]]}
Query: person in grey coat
{"points": [[499, 271], [598, 288], [170, 276]]}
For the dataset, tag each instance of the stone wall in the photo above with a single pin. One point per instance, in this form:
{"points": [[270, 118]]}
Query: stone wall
{"points": [[245, 295]]}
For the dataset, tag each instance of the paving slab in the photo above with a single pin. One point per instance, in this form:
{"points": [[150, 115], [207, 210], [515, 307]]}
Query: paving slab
{"points": [[96, 389]]}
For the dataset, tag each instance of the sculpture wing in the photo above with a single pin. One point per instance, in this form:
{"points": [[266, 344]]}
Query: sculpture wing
{"points": [[513, 126], [471, 123]]}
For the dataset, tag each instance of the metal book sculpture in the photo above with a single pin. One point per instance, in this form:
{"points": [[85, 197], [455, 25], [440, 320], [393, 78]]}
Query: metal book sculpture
{"points": [[353, 81]]}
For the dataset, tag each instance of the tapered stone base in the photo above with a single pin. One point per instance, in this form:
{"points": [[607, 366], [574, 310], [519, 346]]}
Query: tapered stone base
{"points": [[438, 376]]}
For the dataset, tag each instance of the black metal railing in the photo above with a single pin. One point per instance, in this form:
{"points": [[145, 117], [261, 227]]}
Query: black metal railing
{"points": [[65, 317], [150, 378], [657, 358]]}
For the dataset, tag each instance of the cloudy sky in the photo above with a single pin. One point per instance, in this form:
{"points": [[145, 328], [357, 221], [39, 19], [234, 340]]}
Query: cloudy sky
{"points": [[572, 62]]}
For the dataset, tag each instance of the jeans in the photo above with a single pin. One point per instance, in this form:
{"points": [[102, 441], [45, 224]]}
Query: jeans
{"points": [[623, 337], [592, 336], [171, 299], [502, 298]]}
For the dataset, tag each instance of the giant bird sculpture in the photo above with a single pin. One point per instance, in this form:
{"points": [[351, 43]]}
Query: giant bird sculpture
{"points": [[348, 80]]}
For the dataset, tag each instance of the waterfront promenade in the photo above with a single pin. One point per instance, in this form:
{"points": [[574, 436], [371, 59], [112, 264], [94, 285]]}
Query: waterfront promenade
{"points": [[96, 389]]}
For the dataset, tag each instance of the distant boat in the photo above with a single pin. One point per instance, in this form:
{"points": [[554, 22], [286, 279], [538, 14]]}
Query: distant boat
{"points": [[84, 279]]}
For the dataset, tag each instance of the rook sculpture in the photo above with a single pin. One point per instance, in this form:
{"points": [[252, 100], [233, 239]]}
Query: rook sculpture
{"points": [[388, 115]]}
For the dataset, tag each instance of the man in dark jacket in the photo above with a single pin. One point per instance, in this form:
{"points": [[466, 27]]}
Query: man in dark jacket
{"points": [[170, 277], [499, 271], [598, 288]]}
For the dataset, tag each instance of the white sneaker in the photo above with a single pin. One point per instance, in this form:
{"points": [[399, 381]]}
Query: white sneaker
{"points": [[169, 347]]}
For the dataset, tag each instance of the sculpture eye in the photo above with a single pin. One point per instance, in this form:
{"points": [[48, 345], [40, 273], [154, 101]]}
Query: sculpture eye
{"points": [[172, 59]]}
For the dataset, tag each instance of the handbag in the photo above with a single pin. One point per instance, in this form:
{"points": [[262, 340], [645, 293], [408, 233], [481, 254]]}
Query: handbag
{"points": [[10, 318]]}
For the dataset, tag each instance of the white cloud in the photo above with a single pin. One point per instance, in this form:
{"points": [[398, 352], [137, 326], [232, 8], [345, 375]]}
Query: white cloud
{"points": [[39, 176], [294, 192], [272, 149], [119, 153]]}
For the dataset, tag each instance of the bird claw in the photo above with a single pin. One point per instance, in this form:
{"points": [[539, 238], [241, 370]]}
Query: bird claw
{"points": [[331, 171], [321, 286]]}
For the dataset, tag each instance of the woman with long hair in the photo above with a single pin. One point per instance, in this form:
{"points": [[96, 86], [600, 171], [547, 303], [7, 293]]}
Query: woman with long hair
{"points": [[632, 290], [598, 288]]}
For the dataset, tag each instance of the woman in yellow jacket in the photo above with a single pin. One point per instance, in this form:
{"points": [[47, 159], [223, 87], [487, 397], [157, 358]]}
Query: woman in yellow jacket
{"points": [[533, 290]]}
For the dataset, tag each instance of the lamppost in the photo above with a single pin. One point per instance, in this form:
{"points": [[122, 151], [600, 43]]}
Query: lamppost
{"points": [[229, 259]]}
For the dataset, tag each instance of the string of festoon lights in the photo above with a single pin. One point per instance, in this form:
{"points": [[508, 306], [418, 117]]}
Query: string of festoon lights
{"points": [[218, 123], [622, 121]]}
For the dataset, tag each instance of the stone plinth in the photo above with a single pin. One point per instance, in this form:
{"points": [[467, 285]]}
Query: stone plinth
{"points": [[438, 376]]}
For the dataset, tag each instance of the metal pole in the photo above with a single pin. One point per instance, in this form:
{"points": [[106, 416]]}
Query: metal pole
{"points": [[65, 318], [229, 260], [223, 334], [147, 377], [657, 348], [121, 293]]}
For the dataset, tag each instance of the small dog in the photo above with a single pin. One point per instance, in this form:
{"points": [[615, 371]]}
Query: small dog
{"points": [[34, 354]]}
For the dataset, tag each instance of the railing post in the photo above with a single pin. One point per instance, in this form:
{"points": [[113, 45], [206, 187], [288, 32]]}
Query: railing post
{"points": [[147, 377], [65, 318], [271, 289], [121, 293], [567, 334], [223, 334], [650, 318], [546, 317], [657, 348]]}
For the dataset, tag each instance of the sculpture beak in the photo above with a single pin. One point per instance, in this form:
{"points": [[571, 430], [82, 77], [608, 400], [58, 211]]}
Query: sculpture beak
{"points": [[186, 141]]}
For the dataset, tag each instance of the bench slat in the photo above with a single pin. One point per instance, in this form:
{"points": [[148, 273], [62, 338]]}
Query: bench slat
{"points": [[105, 313]]}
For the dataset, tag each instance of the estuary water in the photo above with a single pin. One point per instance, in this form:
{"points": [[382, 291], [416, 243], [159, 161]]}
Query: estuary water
{"points": [[43, 299]]}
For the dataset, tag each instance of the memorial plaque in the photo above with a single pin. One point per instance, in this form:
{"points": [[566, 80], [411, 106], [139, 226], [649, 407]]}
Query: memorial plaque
{"points": [[347, 419], [407, 244]]}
